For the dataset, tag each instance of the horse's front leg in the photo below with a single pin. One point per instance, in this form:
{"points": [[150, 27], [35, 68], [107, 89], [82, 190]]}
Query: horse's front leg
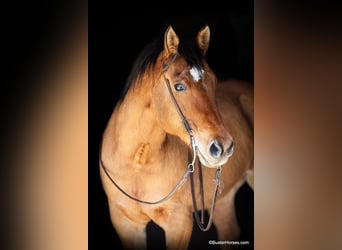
{"points": [[177, 224], [225, 219], [131, 230]]}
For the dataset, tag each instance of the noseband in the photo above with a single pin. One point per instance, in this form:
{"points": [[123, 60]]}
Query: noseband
{"points": [[189, 171]]}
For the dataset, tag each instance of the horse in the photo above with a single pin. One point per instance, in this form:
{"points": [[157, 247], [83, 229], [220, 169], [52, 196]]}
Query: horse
{"points": [[173, 122]]}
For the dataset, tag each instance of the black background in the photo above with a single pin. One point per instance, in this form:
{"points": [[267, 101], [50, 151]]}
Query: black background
{"points": [[116, 36]]}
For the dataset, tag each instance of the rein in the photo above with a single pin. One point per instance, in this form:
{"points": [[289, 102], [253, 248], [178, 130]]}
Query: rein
{"points": [[189, 171]]}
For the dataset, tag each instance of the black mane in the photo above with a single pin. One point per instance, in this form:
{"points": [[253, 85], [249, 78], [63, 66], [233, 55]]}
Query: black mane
{"points": [[188, 49]]}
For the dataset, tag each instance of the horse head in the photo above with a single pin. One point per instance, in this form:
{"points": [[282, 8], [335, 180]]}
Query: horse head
{"points": [[183, 97]]}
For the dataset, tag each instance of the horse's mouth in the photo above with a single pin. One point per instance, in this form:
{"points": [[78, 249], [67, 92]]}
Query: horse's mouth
{"points": [[212, 163]]}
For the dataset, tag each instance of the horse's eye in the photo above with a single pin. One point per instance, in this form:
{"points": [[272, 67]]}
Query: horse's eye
{"points": [[180, 87]]}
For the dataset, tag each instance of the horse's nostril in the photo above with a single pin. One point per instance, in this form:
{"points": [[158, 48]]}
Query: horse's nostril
{"points": [[230, 148], [216, 149]]}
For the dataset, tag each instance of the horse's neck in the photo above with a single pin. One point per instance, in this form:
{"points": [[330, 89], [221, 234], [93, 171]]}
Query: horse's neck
{"points": [[133, 136]]}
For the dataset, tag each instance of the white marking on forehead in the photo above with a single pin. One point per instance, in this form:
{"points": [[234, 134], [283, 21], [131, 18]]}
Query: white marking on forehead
{"points": [[196, 73]]}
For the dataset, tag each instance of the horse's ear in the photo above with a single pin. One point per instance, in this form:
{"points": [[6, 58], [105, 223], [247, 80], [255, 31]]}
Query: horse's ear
{"points": [[203, 39], [171, 42]]}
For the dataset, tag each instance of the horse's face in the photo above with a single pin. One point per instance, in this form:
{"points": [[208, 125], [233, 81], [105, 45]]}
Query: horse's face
{"points": [[194, 92]]}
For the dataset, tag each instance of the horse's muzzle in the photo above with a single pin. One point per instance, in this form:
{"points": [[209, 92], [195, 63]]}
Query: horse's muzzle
{"points": [[216, 154]]}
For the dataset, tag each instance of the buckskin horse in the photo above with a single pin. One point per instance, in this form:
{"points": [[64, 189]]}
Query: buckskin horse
{"points": [[177, 143]]}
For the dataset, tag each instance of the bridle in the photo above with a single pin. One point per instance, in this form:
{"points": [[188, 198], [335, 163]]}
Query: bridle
{"points": [[190, 169]]}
